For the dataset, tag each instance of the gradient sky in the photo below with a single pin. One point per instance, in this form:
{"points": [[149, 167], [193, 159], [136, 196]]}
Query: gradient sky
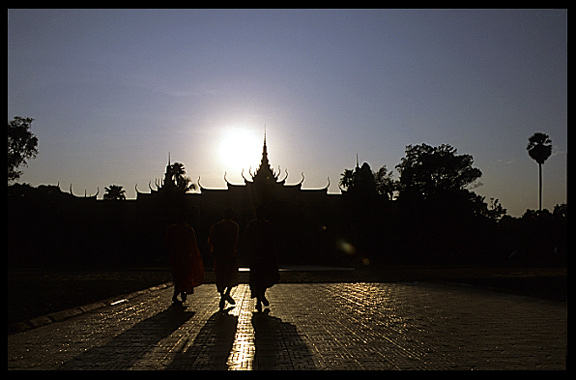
{"points": [[113, 91]]}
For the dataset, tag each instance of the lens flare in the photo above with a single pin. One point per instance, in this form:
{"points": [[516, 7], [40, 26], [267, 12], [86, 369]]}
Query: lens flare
{"points": [[346, 247]]}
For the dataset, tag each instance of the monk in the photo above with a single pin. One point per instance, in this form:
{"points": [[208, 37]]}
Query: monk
{"points": [[223, 241], [262, 256], [185, 259]]}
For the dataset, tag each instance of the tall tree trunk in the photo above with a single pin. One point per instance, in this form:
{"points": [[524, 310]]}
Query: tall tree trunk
{"points": [[540, 187]]}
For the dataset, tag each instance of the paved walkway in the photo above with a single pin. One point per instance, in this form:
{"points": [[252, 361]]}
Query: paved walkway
{"points": [[345, 326]]}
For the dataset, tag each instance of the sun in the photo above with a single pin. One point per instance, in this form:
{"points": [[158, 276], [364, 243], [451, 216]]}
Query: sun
{"points": [[240, 148]]}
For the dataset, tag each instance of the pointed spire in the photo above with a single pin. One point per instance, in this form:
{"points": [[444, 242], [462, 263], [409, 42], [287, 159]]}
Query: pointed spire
{"points": [[357, 166], [264, 168], [168, 180], [265, 150]]}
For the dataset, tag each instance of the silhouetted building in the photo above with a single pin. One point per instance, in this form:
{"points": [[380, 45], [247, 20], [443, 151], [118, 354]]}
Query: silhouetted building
{"points": [[299, 215], [83, 230]]}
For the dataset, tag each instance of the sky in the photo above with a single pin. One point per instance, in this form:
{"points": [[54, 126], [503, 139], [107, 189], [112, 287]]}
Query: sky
{"points": [[114, 92]]}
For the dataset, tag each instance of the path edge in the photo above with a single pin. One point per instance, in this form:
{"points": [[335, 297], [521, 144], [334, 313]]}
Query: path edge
{"points": [[62, 315]]}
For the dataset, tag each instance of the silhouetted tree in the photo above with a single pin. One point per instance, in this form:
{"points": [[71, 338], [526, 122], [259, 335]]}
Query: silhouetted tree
{"points": [[115, 193], [182, 183], [438, 218], [538, 237], [364, 182], [561, 211], [360, 207], [346, 179], [427, 170], [539, 149], [385, 184], [22, 145], [479, 208], [495, 210], [360, 181]]}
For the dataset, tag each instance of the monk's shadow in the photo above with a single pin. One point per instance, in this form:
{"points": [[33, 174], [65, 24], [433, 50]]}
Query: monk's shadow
{"points": [[279, 345], [212, 345], [124, 350]]}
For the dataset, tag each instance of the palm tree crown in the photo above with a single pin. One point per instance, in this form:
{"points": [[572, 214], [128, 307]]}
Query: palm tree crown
{"points": [[182, 182], [539, 147], [115, 192]]}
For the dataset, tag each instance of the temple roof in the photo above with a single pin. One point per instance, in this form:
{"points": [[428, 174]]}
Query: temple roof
{"points": [[265, 173]]}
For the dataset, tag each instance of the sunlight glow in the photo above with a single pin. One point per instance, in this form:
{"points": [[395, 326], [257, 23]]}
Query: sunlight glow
{"points": [[240, 148]]}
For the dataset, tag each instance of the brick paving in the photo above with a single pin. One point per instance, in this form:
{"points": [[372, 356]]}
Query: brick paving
{"points": [[326, 326]]}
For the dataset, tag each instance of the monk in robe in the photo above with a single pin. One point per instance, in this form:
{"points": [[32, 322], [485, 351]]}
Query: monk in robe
{"points": [[223, 241], [185, 259], [262, 256]]}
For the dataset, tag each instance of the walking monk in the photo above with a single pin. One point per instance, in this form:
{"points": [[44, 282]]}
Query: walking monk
{"points": [[223, 241], [263, 262], [185, 259]]}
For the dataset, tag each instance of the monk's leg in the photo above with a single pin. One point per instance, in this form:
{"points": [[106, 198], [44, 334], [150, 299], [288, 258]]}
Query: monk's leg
{"points": [[227, 296]]}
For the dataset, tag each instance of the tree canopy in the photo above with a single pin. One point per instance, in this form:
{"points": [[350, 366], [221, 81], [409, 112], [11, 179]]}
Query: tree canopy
{"points": [[427, 170], [539, 147], [115, 193], [22, 145], [179, 179]]}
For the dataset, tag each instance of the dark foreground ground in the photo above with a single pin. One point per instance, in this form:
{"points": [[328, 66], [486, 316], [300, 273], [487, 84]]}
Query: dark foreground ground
{"points": [[33, 292], [341, 326]]}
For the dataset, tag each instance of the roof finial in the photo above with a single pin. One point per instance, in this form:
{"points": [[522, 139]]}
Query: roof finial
{"points": [[264, 148], [357, 161]]}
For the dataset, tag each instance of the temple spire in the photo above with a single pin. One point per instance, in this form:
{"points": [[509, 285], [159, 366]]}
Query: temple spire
{"points": [[265, 163], [264, 167], [168, 180]]}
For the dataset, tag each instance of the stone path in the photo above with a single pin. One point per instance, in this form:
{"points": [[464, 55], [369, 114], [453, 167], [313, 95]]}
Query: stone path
{"points": [[328, 326]]}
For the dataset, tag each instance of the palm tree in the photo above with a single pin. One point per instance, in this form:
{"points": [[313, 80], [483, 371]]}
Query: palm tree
{"points": [[385, 184], [178, 170], [347, 179], [115, 193], [539, 149], [182, 182]]}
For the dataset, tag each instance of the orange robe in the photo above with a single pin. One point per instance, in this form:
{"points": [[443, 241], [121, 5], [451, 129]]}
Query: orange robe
{"points": [[223, 241], [185, 259]]}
